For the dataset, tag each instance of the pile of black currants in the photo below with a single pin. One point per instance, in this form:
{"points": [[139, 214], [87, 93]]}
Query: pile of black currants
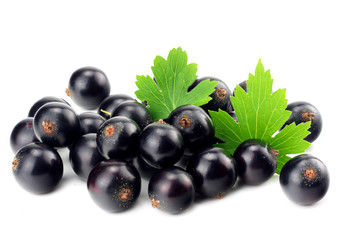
{"points": [[119, 145]]}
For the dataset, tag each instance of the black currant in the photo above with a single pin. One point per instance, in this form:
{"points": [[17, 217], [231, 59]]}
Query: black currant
{"points": [[135, 111], [84, 155], [108, 105], [220, 96], [88, 87], [195, 126], [304, 112], [38, 104], [304, 179], [37, 168], [214, 173], [22, 134], [57, 124], [118, 138], [90, 122], [161, 145], [114, 185], [256, 161], [171, 190]]}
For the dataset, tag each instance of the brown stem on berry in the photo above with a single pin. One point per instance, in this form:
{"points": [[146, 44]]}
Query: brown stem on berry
{"points": [[221, 93], [155, 203], [125, 194], [310, 174], [67, 91], [308, 116], [48, 126], [275, 153], [185, 122], [109, 131], [219, 196], [161, 121], [15, 163]]}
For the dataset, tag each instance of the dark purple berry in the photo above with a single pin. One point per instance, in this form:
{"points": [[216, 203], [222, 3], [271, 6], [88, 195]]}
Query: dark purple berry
{"points": [[161, 145], [304, 179], [171, 190], [118, 138], [195, 126], [213, 172], [37, 168], [114, 185], [57, 125], [304, 112], [88, 87], [256, 161], [220, 96]]}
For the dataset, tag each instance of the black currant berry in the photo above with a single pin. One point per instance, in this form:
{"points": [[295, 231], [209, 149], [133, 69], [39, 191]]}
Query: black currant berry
{"points": [[38, 104], [220, 97], [194, 125], [135, 111], [118, 138], [108, 105], [88, 87], [90, 122], [114, 185], [161, 145], [304, 112], [171, 190], [37, 168], [22, 134], [256, 161], [213, 172], [84, 155], [57, 124], [304, 179]]}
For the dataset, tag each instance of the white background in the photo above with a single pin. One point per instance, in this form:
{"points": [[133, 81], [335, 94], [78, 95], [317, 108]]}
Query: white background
{"points": [[311, 47]]}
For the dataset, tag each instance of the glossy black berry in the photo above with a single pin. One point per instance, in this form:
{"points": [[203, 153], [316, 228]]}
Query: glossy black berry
{"points": [[90, 122], [88, 87], [304, 179], [256, 161], [171, 190], [195, 126], [220, 96], [304, 112], [22, 134], [57, 124], [114, 185], [37, 168], [84, 155], [118, 138], [108, 105], [161, 145], [135, 111], [213, 172], [38, 104]]}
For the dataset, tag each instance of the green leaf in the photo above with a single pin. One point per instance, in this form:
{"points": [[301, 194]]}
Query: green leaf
{"points": [[260, 113], [173, 77]]}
